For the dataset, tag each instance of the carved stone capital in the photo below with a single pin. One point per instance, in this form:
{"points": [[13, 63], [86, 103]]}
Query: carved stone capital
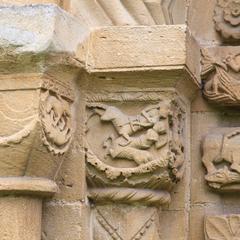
{"points": [[221, 75], [227, 19], [37, 124], [139, 150]]}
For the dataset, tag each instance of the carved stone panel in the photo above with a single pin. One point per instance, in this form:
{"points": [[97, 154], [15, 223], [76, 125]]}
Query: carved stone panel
{"points": [[222, 160], [134, 147], [221, 74], [227, 19], [56, 116], [126, 222], [225, 227]]}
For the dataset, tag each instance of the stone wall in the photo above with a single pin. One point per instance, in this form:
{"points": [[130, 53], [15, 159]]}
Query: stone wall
{"points": [[119, 119]]}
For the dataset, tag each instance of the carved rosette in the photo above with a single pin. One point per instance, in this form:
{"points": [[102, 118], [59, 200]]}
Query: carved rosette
{"points": [[227, 19], [36, 126], [221, 75], [134, 151], [222, 227]]}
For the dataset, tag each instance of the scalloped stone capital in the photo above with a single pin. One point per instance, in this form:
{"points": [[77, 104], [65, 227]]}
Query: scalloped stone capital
{"points": [[36, 124]]}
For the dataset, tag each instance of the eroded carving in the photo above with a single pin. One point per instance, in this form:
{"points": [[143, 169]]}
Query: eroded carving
{"points": [[56, 115], [220, 74], [222, 160], [142, 150], [222, 227], [227, 19], [56, 122]]}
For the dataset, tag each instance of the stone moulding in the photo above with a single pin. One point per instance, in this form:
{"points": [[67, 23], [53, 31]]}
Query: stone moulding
{"points": [[222, 227], [129, 196], [143, 12], [227, 20], [27, 186], [221, 75], [139, 151]]}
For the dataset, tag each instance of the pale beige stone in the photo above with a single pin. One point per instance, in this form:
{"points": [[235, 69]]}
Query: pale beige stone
{"points": [[23, 2], [92, 97], [23, 29], [129, 12], [20, 218], [65, 220], [121, 48], [222, 226]]}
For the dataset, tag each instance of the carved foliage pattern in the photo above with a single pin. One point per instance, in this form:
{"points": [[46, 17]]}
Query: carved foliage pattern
{"points": [[222, 227]]}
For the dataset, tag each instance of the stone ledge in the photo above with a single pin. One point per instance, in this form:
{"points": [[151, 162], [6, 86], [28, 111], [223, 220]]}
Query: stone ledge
{"points": [[27, 185], [38, 28], [135, 48]]}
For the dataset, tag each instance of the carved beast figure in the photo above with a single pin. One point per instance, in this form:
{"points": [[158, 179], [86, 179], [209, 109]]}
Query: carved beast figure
{"points": [[221, 147]]}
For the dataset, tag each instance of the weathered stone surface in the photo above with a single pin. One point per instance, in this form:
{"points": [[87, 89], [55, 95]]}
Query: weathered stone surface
{"points": [[65, 220], [105, 99], [129, 12], [124, 48], [20, 218], [38, 28]]}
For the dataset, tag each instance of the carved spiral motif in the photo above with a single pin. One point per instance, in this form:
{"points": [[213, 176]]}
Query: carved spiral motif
{"points": [[227, 19]]}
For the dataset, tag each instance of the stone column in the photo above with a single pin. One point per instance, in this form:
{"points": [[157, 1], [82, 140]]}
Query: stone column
{"points": [[137, 121], [131, 172], [37, 96], [37, 127], [21, 206]]}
